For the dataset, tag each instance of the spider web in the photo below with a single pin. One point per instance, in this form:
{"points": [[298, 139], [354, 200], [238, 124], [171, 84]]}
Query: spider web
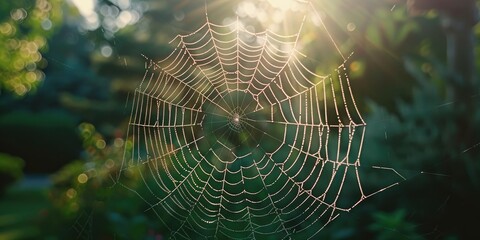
{"points": [[235, 135]]}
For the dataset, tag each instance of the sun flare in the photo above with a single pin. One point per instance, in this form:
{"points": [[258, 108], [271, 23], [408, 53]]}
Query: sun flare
{"points": [[283, 5]]}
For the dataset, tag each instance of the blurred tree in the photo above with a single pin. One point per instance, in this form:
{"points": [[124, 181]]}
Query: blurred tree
{"points": [[431, 137], [459, 18], [40, 121], [434, 137], [421, 141], [24, 30]]}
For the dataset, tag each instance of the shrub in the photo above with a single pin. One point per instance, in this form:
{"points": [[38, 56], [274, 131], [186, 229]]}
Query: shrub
{"points": [[86, 191], [10, 170]]}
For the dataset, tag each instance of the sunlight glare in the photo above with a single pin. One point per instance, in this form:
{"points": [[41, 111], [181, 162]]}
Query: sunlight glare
{"points": [[85, 7], [283, 5]]}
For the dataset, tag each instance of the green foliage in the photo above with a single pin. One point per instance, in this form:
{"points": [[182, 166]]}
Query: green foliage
{"points": [[430, 141], [41, 126], [19, 207], [10, 170], [393, 226], [87, 200], [24, 29], [392, 28]]}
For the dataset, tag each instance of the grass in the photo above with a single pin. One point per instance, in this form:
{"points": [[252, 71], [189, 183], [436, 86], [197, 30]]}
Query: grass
{"points": [[19, 208]]}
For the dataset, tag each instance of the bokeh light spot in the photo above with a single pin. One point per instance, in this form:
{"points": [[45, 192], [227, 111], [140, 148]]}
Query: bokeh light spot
{"points": [[6, 29], [18, 14], [31, 77], [118, 142], [351, 27], [20, 89], [100, 144], [109, 163], [106, 51], [82, 178], [357, 68], [71, 193], [124, 18], [47, 24], [179, 16]]}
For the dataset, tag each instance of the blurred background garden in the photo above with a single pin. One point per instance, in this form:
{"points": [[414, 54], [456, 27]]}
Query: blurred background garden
{"points": [[68, 69]]}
